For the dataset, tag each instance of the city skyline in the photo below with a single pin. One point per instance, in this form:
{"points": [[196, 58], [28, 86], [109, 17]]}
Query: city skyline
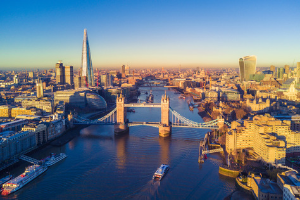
{"points": [[149, 34]]}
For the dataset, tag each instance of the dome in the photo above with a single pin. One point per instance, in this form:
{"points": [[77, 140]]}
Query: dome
{"points": [[95, 101]]}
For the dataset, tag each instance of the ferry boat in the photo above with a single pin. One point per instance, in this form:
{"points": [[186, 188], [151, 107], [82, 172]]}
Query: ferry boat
{"points": [[161, 171], [17, 183], [54, 158], [4, 180]]}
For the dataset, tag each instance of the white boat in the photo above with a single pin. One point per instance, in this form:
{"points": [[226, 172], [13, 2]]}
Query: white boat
{"points": [[4, 180], [17, 183], [54, 158], [161, 171]]}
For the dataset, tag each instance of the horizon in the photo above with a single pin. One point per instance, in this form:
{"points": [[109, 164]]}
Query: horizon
{"points": [[149, 34]]}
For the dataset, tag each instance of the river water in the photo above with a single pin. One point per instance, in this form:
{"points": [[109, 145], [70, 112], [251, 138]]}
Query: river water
{"points": [[102, 166]]}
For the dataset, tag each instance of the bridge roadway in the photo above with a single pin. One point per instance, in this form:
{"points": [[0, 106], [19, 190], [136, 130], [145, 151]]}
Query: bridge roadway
{"points": [[144, 105]]}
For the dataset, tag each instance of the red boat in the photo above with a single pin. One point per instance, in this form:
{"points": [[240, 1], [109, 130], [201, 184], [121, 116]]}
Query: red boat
{"points": [[205, 156]]}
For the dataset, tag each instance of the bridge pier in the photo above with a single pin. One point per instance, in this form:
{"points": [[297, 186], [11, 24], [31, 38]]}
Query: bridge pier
{"points": [[164, 131], [122, 126], [121, 129]]}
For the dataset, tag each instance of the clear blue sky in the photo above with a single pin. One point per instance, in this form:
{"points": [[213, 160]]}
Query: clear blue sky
{"points": [[149, 33]]}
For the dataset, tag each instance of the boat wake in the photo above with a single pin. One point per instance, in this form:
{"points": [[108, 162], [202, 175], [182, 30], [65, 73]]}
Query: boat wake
{"points": [[149, 191]]}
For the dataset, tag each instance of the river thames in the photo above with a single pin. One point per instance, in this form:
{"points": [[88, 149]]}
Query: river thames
{"points": [[102, 166]]}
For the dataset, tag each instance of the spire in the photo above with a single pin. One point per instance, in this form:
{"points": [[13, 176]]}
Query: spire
{"points": [[86, 63]]}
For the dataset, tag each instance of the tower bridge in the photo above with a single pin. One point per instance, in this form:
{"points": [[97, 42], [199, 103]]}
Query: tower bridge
{"points": [[118, 118]]}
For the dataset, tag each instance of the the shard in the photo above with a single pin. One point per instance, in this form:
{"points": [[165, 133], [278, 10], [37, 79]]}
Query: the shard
{"points": [[86, 64]]}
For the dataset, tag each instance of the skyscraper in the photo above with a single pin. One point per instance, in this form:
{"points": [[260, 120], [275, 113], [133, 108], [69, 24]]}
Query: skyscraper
{"points": [[86, 64], [272, 68], [298, 69], [69, 75], [39, 89], [60, 73], [247, 67], [287, 69]]}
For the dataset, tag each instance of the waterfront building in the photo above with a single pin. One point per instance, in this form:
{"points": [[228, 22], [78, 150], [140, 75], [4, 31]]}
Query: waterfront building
{"points": [[263, 188], [289, 183], [13, 144], [13, 125], [270, 138], [69, 75], [247, 67], [86, 63], [60, 73], [80, 98], [40, 131]]}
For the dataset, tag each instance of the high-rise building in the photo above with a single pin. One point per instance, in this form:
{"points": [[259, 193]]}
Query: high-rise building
{"points": [[123, 69], [298, 69], [77, 82], [16, 79], [287, 69], [86, 64], [106, 80], [60, 73], [247, 67], [39, 89], [272, 68], [280, 72], [69, 75], [127, 70]]}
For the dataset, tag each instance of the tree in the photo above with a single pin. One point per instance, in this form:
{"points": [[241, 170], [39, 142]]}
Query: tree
{"points": [[222, 139]]}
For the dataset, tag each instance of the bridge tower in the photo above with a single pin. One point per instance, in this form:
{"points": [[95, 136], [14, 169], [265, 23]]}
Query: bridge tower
{"points": [[221, 122], [121, 116], [165, 128]]}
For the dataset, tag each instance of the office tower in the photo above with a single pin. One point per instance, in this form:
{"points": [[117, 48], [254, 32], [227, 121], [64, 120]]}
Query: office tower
{"points": [[127, 70], [272, 68], [123, 69], [298, 69], [39, 89], [287, 69], [247, 67], [280, 72], [69, 75], [86, 64], [16, 79], [60, 73], [77, 82], [106, 80]]}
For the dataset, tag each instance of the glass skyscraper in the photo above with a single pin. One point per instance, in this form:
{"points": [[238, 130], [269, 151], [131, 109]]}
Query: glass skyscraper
{"points": [[86, 63], [247, 67]]}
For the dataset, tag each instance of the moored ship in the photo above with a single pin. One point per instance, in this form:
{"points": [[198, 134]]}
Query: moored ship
{"points": [[54, 158], [17, 183], [4, 180], [161, 171]]}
